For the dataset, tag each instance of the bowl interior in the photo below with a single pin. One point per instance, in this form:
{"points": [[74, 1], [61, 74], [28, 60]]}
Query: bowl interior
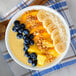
{"points": [[57, 60]]}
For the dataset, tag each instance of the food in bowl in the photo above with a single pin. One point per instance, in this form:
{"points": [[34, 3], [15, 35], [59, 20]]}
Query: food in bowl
{"points": [[37, 38]]}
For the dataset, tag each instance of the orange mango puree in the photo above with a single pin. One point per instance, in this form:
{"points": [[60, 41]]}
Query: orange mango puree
{"points": [[44, 49]]}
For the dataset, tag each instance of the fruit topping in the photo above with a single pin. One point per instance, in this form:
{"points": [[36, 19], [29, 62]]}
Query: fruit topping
{"points": [[14, 29], [41, 59], [21, 30], [16, 23], [19, 35], [30, 60], [27, 40], [26, 47], [33, 56], [32, 42], [22, 26], [31, 36], [27, 54], [26, 31], [34, 63], [27, 37]]}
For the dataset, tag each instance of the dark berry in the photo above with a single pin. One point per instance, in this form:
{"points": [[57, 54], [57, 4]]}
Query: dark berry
{"points": [[30, 60], [14, 29], [17, 23], [27, 40], [33, 56], [31, 36], [25, 43], [22, 26], [27, 54], [32, 42], [25, 37], [19, 35], [20, 30], [26, 31], [26, 47], [34, 63], [17, 27]]}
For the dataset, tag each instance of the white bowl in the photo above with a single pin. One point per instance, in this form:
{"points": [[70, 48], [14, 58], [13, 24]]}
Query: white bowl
{"points": [[37, 8]]}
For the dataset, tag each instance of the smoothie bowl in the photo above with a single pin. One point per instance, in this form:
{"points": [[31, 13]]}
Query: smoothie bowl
{"points": [[37, 37]]}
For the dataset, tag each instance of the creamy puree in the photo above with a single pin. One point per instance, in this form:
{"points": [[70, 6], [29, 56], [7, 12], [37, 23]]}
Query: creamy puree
{"points": [[16, 45]]}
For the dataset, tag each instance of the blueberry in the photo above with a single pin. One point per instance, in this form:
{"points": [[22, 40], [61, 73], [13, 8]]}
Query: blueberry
{"points": [[27, 40], [25, 37], [34, 63], [14, 29], [25, 43], [32, 42], [27, 54], [17, 27], [22, 26], [30, 60], [33, 56], [31, 36], [26, 31], [19, 35], [17, 23], [20, 30], [26, 47]]}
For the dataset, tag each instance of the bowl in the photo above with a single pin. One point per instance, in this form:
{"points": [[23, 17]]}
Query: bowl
{"points": [[57, 60]]}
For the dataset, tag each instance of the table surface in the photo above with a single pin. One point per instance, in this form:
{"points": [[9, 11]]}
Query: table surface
{"points": [[67, 71]]}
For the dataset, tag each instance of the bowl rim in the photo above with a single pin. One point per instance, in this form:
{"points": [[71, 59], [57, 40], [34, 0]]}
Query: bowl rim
{"points": [[36, 7]]}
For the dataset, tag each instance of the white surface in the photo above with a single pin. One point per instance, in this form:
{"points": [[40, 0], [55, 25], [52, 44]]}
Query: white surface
{"points": [[67, 71]]}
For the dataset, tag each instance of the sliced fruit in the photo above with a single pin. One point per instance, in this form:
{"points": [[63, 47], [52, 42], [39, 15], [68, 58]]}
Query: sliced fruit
{"points": [[39, 27], [42, 14], [51, 28], [41, 59], [47, 21], [54, 33], [60, 47], [63, 34], [53, 52], [34, 49], [24, 16], [47, 43], [56, 39]]}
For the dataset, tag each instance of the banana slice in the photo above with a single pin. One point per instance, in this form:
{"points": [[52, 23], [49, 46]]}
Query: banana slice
{"points": [[60, 47], [47, 22], [51, 28], [54, 33], [56, 39], [55, 28], [42, 14], [48, 25], [64, 37]]}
